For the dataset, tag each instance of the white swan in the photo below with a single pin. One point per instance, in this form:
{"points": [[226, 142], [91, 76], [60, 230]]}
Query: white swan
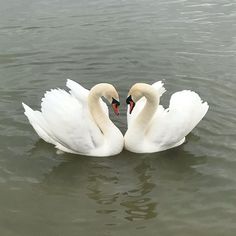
{"points": [[151, 128], [78, 121]]}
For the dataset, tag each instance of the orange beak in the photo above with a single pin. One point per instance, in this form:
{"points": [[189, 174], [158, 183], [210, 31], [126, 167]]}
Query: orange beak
{"points": [[131, 104], [116, 109], [115, 105]]}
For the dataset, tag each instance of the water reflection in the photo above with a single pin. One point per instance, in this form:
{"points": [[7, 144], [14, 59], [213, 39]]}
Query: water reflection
{"points": [[138, 204], [101, 185], [129, 185]]}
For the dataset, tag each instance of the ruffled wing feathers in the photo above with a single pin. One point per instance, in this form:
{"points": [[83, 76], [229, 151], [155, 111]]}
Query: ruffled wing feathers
{"points": [[169, 126], [65, 121]]}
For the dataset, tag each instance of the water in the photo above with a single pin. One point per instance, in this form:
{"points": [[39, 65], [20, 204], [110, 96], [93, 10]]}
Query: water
{"points": [[190, 190]]}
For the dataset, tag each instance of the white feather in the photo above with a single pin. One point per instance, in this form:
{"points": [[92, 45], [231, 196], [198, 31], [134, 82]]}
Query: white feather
{"points": [[65, 121], [168, 127]]}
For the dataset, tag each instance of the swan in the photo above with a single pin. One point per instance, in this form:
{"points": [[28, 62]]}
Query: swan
{"points": [[78, 121], [151, 128]]}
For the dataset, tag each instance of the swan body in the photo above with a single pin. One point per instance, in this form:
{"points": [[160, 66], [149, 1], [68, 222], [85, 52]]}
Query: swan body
{"points": [[151, 128], [77, 121]]}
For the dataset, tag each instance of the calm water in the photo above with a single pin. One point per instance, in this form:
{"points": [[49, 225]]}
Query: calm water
{"points": [[190, 190]]}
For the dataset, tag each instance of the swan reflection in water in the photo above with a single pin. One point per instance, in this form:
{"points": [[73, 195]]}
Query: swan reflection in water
{"points": [[128, 186], [111, 187]]}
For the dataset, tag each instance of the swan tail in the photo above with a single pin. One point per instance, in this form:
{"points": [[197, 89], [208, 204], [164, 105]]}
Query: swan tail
{"points": [[159, 86], [38, 123]]}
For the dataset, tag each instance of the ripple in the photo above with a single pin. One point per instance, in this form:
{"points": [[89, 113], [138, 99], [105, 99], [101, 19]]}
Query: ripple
{"points": [[138, 209], [32, 28], [24, 179], [187, 190]]}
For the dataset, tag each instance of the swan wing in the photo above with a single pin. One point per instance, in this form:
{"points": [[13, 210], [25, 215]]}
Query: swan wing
{"points": [[170, 126], [159, 87], [39, 124], [65, 121], [81, 93]]}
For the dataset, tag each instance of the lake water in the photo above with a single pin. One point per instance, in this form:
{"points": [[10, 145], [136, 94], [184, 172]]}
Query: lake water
{"points": [[189, 190]]}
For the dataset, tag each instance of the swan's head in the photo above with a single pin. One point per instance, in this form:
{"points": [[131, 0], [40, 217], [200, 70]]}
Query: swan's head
{"points": [[111, 95], [108, 92], [135, 94]]}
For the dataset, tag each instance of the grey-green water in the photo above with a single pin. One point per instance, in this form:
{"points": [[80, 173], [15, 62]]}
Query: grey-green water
{"points": [[190, 190]]}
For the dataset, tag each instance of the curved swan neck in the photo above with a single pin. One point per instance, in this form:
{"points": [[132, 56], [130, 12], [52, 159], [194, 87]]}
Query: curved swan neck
{"points": [[95, 108], [150, 107]]}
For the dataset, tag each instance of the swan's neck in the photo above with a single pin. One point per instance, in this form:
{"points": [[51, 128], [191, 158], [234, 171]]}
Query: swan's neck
{"points": [[100, 118], [152, 101]]}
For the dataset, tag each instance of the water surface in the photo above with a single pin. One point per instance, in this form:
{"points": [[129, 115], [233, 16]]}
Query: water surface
{"points": [[189, 190]]}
